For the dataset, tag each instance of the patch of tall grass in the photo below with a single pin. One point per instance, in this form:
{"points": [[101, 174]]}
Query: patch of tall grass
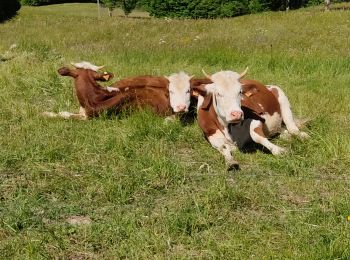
{"points": [[156, 190]]}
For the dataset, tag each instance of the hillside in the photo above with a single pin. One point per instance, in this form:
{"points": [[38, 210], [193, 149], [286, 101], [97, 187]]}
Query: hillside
{"points": [[147, 189]]}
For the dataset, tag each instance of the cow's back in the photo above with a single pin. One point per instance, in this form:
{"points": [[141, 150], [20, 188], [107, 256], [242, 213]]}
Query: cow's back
{"points": [[143, 81], [257, 94]]}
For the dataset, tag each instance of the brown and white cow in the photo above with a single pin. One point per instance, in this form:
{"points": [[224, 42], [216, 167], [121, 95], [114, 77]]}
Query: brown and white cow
{"points": [[221, 117], [177, 84], [94, 99]]}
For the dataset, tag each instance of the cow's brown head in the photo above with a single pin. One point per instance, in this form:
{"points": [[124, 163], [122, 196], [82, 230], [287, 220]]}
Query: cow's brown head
{"points": [[83, 69]]}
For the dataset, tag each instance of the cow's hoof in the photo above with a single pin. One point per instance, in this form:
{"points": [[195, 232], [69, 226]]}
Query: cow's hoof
{"points": [[303, 136], [285, 135], [232, 166], [49, 114], [64, 114], [302, 122], [279, 151]]}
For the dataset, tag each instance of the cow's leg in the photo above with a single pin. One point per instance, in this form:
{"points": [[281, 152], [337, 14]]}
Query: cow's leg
{"points": [[258, 136], [68, 115], [286, 111], [111, 89], [220, 143], [49, 114]]}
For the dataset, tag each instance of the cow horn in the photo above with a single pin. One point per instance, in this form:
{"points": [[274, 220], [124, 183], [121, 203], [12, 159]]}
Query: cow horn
{"points": [[100, 67], [205, 74], [192, 76], [243, 73], [73, 64]]}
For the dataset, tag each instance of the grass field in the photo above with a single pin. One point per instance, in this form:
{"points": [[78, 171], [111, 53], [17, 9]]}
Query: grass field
{"points": [[146, 189]]}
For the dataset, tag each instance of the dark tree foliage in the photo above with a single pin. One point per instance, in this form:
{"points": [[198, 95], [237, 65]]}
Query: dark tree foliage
{"points": [[219, 8], [128, 6], [8, 9], [48, 2], [192, 8], [200, 8]]}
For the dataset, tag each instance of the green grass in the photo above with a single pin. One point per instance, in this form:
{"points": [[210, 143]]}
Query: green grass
{"points": [[155, 190]]}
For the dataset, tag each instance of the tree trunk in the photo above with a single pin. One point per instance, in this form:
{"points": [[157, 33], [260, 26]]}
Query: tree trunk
{"points": [[287, 5], [327, 3], [110, 10]]}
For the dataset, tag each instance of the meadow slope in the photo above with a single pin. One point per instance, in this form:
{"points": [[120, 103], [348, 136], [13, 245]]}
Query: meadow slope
{"points": [[155, 190]]}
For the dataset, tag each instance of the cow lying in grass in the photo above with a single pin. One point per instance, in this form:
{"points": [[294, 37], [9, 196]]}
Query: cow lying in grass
{"points": [[178, 85], [221, 117], [164, 95]]}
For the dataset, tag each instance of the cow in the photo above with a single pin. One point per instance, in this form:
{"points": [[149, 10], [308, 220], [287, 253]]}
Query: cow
{"points": [[181, 100], [94, 99], [221, 115], [177, 85]]}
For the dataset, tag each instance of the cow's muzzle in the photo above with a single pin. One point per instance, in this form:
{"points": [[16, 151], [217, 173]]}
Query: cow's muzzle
{"points": [[180, 109], [236, 116]]}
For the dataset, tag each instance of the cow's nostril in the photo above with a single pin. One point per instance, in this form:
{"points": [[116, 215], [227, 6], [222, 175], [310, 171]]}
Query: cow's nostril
{"points": [[181, 107], [236, 115]]}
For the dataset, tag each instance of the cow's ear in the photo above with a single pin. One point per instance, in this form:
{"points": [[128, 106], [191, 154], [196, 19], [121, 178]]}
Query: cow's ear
{"points": [[203, 81], [64, 71], [207, 102], [248, 90], [250, 104], [106, 76], [198, 90]]}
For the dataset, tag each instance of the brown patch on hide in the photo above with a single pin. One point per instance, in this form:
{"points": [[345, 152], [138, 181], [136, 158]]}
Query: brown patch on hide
{"points": [[260, 99]]}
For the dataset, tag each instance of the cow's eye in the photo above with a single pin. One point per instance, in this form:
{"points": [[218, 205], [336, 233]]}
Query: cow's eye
{"points": [[219, 95], [188, 91]]}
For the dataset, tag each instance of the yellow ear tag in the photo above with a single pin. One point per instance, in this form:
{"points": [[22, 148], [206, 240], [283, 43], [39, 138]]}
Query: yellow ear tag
{"points": [[195, 93], [106, 77], [248, 93]]}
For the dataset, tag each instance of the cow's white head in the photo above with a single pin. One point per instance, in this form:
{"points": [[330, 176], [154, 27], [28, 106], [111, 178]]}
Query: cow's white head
{"points": [[227, 93], [179, 91]]}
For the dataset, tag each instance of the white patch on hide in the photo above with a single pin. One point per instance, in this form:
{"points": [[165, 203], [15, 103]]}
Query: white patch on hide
{"points": [[200, 101], [273, 124], [275, 150], [287, 114], [222, 144], [86, 65], [110, 89]]}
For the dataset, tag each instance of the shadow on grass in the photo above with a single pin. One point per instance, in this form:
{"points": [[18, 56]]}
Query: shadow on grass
{"points": [[2, 59]]}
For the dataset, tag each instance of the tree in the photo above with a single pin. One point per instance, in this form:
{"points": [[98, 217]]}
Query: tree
{"points": [[8, 9], [126, 5], [201, 8], [327, 3], [111, 5]]}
